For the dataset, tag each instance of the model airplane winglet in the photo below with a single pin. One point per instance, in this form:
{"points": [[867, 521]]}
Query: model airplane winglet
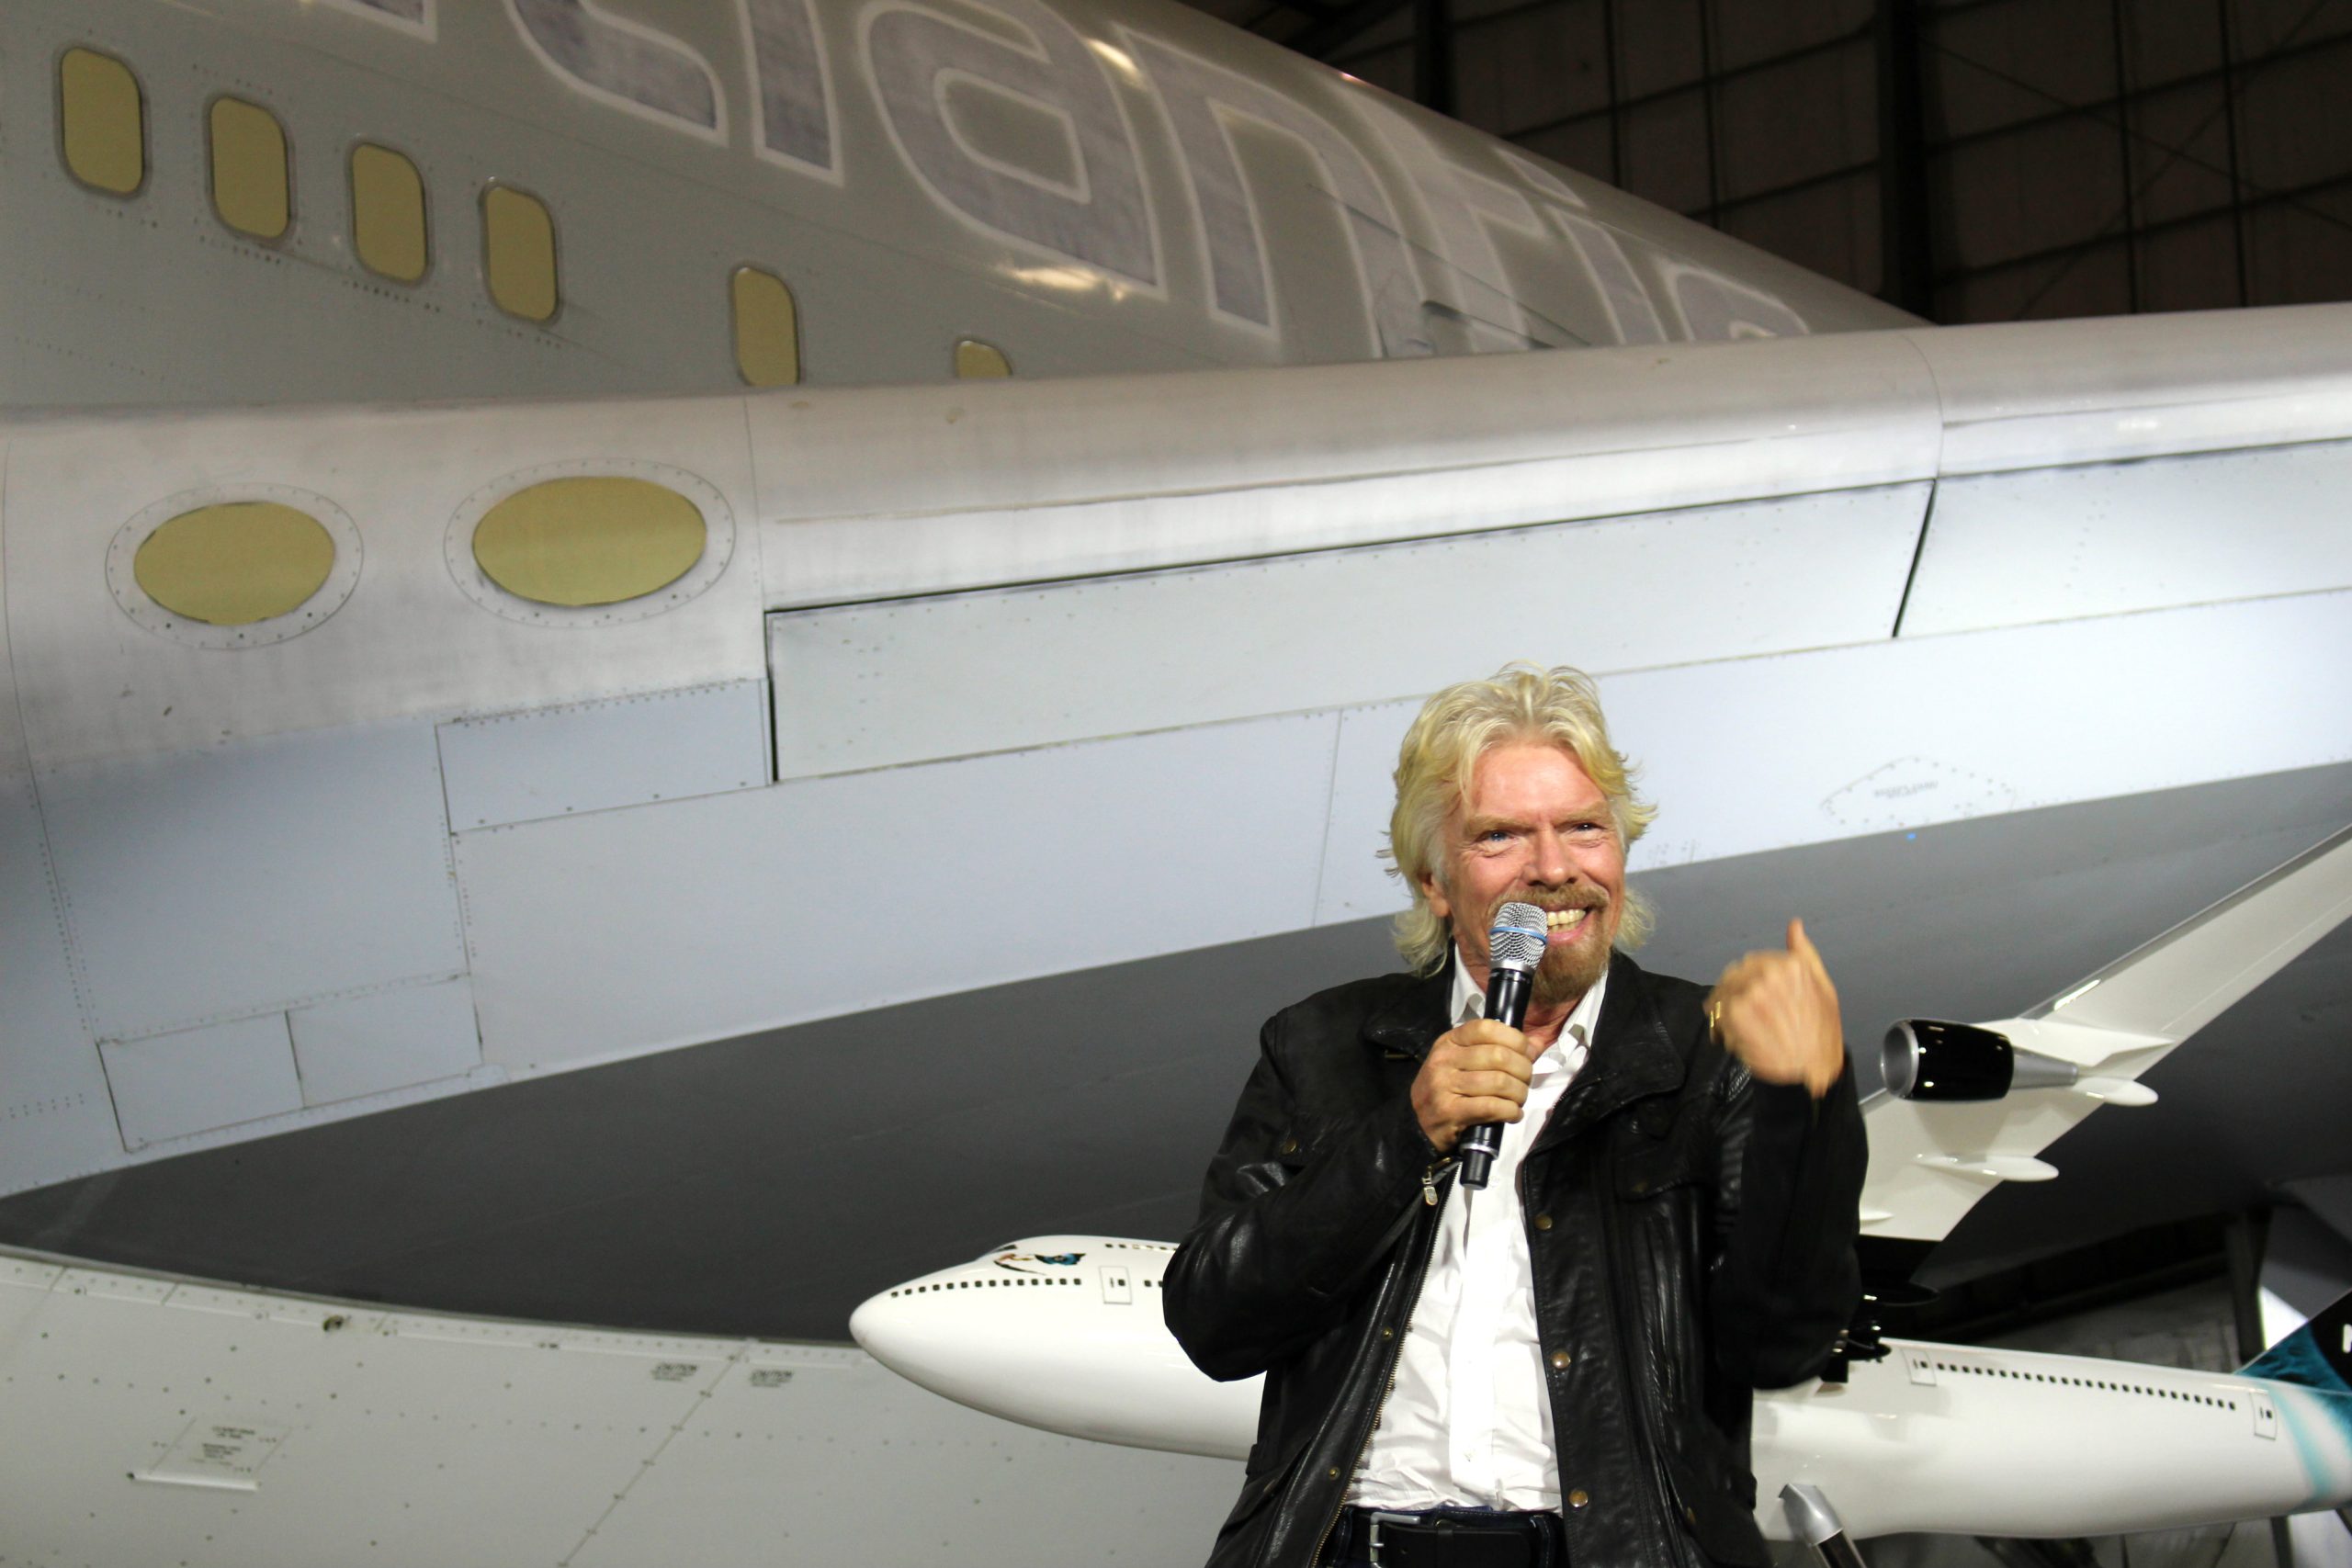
{"points": [[1971, 1106]]}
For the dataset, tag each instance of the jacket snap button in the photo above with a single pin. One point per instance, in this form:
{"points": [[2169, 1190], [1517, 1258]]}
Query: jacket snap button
{"points": [[1335, 1472], [1640, 1188], [1290, 1146], [1690, 1516], [1543, 1222], [1577, 1499], [1388, 1334], [1560, 1359]]}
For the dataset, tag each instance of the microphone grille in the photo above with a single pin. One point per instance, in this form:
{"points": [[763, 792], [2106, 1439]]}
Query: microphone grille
{"points": [[1517, 939]]}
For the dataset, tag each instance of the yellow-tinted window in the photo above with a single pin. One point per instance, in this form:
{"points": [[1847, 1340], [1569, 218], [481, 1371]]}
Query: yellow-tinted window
{"points": [[767, 329], [518, 253], [974, 357], [249, 186], [103, 122], [593, 540], [234, 563], [387, 213]]}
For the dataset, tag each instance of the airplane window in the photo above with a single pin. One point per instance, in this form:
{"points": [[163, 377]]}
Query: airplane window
{"points": [[104, 125], [234, 563], [767, 329], [589, 541], [518, 253], [249, 184], [975, 359], [387, 213]]}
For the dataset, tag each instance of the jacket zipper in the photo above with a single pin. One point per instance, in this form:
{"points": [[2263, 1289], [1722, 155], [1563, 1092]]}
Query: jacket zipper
{"points": [[1388, 1373]]}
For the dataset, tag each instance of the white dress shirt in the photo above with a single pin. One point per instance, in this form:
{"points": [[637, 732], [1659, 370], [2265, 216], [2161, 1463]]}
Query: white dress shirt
{"points": [[1467, 1422]]}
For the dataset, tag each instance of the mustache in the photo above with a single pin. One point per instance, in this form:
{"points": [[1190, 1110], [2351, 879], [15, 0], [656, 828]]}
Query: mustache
{"points": [[1553, 901]]}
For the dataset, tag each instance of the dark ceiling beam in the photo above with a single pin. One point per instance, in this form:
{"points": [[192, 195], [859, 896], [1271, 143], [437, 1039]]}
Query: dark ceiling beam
{"points": [[1906, 256], [1434, 56], [1318, 40]]}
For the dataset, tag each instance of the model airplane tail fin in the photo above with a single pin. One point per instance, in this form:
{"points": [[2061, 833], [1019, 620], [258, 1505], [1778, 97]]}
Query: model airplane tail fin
{"points": [[2316, 1356]]}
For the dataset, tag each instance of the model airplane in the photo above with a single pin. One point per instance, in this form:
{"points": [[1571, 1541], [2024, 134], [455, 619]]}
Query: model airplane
{"points": [[1064, 1332]]}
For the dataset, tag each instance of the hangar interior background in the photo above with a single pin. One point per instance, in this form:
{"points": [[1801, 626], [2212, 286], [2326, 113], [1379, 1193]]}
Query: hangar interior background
{"points": [[1969, 160]]}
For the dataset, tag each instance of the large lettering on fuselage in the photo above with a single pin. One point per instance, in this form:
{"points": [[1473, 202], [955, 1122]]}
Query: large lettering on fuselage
{"points": [[792, 100], [408, 16], [1196, 93], [1095, 211], [1099, 218], [1621, 295], [1467, 278], [627, 64]]}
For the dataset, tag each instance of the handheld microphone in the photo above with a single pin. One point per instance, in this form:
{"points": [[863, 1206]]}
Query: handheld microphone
{"points": [[1514, 950]]}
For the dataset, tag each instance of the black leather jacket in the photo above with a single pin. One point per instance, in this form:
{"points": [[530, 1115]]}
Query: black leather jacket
{"points": [[1692, 1232]]}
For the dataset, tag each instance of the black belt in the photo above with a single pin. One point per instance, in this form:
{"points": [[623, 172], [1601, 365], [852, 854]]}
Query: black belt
{"points": [[1448, 1538]]}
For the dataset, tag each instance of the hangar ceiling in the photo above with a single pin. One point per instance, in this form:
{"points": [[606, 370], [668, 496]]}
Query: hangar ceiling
{"points": [[1969, 160]]}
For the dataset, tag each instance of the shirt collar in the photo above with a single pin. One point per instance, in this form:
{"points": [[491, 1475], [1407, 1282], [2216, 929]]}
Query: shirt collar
{"points": [[1470, 1002]]}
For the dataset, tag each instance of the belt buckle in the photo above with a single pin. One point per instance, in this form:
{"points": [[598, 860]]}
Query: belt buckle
{"points": [[1373, 1521]]}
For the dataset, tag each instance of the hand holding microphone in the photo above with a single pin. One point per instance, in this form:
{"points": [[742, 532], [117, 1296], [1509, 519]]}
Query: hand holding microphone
{"points": [[1476, 1077]]}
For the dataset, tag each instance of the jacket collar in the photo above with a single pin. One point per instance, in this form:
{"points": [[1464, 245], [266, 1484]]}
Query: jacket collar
{"points": [[1413, 1016]]}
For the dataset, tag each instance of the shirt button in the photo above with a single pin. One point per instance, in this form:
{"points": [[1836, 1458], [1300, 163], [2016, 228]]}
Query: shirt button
{"points": [[1543, 1222], [1578, 1498], [1560, 1359]]}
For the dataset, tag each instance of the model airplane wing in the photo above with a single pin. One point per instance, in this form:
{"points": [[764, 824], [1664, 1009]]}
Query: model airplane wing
{"points": [[1933, 1159]]}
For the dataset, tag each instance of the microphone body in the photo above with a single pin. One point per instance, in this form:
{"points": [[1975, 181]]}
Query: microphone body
{"points": [[1514, 948]]}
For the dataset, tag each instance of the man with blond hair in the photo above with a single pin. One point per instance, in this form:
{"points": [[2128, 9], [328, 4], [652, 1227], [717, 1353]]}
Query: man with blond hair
{"points": [[1553, 1371]]}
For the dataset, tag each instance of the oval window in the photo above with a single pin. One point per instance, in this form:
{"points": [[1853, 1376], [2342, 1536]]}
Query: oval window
{"points": [[235, 562], [975, 359], [589, 541]]}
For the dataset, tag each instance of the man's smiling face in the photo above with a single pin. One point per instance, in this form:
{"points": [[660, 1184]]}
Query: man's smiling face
{"points": [[1534, 828]]}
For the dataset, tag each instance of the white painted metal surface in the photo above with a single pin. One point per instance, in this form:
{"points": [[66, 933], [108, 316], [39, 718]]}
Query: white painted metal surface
{"points": [[2020, 395], [555, 761], [258, 877], [384, 1041], [55, 1113], [1172, 470], [168, 1086], [361, 1434], [2067, 544], [1012, 667], [804, 897]]}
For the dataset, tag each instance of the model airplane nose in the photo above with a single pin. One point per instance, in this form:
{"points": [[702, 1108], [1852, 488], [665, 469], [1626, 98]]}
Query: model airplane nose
{"points": [[1062, 1333], [889, 1327]]}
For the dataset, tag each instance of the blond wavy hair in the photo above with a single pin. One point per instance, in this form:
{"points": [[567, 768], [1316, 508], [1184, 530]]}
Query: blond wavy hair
{"points": [[1523, 701]]}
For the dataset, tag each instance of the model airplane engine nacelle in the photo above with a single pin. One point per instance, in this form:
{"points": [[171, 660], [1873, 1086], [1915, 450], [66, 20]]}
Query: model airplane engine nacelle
{"points": [[1923, 1059]]}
